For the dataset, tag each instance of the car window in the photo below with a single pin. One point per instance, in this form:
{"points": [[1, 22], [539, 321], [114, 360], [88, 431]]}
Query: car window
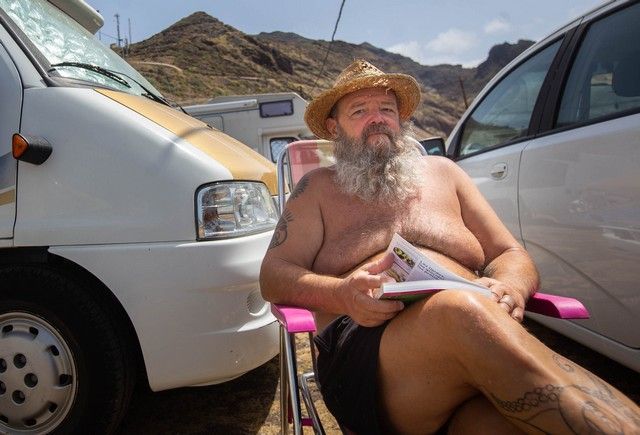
{"points": [[505, 112], [605, 76]]}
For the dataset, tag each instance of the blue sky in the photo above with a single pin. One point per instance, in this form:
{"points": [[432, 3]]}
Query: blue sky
{"points": [[428, 31]]}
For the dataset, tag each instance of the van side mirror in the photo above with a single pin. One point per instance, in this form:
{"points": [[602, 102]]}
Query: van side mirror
{"points": [[434, 146]]}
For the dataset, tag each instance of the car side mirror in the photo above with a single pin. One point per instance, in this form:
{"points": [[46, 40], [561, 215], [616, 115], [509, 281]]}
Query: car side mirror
{"points": [[434, 146]]}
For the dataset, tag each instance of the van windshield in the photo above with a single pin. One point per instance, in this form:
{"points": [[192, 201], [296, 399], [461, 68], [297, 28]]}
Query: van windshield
{"points": [[65, 43]]}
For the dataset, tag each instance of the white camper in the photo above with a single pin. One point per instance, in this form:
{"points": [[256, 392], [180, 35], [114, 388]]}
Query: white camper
{"points": [[265, 122], [131, 234]]}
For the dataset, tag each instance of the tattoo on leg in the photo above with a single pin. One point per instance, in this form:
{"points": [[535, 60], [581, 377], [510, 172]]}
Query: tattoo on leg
{"points": [[598, 420], [297, 191], [600, 390], [603, 392], [563, 363], [581, 409], [280, 233], [547, 394]]}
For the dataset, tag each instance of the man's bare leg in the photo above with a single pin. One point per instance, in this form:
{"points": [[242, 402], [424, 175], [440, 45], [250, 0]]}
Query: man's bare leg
{"points": [[439, 353], [478, 416]]}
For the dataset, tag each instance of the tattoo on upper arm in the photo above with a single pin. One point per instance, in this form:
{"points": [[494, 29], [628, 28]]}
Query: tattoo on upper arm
{"points": [[280, 233], [297, 191]]}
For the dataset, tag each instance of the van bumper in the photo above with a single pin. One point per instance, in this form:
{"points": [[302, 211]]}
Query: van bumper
{"points": [[195, 306]]}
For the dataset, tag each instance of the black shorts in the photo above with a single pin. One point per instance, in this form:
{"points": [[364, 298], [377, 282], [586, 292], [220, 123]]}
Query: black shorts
{"points": [[347, 373]]}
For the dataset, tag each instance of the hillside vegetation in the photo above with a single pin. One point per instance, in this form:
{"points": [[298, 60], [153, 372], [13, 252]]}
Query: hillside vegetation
{"points": [[200, 57]]}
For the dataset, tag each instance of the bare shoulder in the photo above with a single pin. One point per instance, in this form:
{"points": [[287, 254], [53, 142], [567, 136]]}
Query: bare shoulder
{"points": [[312, 183], [443, 168], [299, 232], [440, 163]]}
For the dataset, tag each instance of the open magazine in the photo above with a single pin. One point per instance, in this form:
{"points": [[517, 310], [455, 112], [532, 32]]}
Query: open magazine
{"points": [[417, 275]]}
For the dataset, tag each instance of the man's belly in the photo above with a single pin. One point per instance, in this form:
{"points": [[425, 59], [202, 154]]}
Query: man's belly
{"points": [[323, 319]]}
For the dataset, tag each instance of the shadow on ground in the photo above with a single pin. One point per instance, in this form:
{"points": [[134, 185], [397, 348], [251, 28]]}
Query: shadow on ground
{"points": [[249, 404], [241, 406], [621, 377]]}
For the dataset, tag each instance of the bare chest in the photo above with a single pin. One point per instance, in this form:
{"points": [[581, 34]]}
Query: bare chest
{"points": [[355, 231]]}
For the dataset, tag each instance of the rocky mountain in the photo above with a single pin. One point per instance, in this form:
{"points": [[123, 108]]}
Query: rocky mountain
{"points": [[200, 57]]}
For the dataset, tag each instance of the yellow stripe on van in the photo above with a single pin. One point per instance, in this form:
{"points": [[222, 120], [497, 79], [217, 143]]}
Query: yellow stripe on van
{"points": [[8, 197], [239, 159]]}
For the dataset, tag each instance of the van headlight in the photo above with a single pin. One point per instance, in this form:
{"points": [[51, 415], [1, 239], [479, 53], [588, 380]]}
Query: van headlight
{"points": [[234, 208]]}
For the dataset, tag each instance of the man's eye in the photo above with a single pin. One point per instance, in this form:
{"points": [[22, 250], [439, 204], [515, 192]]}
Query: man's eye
{"points": [[357, 112]]}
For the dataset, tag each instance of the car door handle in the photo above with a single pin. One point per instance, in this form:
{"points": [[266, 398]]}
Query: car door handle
{"points": [[499, 171]]}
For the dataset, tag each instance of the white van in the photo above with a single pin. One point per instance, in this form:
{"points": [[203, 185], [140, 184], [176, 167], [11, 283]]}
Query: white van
{"points": [[265, 122], [131, 234]]}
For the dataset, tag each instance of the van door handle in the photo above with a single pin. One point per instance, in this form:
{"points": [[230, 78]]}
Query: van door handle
{"points": [[499, 171]]}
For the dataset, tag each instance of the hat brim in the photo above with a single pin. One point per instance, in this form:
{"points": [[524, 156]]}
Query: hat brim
{"points": [[404, 86]]}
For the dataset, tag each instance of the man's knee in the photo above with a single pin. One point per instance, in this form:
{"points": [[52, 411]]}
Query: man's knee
{"points": [[456, 323], [460, 316], [458, 308]]}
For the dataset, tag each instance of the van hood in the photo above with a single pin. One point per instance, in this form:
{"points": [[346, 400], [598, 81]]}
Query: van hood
{"points": [[239, 159]]}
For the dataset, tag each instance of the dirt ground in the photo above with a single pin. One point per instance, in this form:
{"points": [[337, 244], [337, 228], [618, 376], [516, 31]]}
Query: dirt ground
{"points": [[249, 404]]}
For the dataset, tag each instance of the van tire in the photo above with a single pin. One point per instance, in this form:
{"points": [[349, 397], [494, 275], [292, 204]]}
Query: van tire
{"points": [[89, 354]]}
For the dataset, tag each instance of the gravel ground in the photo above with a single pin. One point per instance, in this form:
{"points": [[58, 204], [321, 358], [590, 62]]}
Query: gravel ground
{"points": [[249, 404]]}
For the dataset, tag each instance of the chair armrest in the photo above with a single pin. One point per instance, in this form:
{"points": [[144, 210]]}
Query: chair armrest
{"points": [[294, 319], [556, 306]]}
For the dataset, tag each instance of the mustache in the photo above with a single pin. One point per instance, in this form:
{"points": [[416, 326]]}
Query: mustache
{"points": [[372, 129], [385, 173]]}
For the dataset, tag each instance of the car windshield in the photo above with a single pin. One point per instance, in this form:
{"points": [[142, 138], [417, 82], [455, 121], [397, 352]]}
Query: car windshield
{"points": [[77, 53]]}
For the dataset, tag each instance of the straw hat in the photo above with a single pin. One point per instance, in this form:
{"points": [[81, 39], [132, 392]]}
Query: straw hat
{"points": [[360, 75]]}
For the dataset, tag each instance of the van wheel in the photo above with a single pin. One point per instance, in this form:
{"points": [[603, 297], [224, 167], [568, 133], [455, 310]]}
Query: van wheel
{"points": [[64, 368]]}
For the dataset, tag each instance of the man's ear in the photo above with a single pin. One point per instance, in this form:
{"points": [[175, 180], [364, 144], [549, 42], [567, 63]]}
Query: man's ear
{"points": [[332, 125]]}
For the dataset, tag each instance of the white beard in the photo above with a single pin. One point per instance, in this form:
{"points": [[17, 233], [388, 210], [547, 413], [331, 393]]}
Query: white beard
{"points": [[385, 171]]}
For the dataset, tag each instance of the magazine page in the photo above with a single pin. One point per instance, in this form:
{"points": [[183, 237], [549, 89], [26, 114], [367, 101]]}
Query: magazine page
{"points": [[416, 274], [409, 264], [405, 258]]}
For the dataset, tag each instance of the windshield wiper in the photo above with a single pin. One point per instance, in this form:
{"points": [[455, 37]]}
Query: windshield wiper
{"points": [[147, 93], [95, 68], [117, 76]]}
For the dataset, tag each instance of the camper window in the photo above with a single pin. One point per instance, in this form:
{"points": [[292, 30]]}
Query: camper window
{"points": [[276, 108], [278, 144]]}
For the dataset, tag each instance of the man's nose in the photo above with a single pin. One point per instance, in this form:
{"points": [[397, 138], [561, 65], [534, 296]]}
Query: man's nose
{"points": [[377, 117]]}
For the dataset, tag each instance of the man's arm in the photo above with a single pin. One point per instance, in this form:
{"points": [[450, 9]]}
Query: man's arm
{"points": [[286, 275], [509, 271]]}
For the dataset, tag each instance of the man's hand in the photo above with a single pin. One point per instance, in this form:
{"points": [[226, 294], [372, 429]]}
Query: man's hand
{"points": [[510, 300], [356, 294]]}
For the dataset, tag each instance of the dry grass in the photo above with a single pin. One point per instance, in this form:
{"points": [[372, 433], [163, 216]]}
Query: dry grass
{"points": [[249, 405]]}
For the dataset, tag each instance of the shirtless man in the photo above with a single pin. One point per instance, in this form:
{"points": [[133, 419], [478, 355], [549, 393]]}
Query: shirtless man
{"points": [[456, 358]]}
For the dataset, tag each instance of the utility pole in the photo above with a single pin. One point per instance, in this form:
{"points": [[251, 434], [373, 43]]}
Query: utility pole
{"points": [[118, 28], [464, 94], [129, 42]]}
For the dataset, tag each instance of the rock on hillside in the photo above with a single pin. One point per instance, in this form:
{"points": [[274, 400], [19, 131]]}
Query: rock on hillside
{"points": [[200, 57], [499, 56], [212, 59]]}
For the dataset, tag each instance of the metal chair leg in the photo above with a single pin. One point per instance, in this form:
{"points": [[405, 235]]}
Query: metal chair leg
{"points": [[290, 357], [284, 385], [318, 429]]}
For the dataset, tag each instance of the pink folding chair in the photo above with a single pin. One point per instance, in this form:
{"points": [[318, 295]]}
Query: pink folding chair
{"points": [[297, 159]]}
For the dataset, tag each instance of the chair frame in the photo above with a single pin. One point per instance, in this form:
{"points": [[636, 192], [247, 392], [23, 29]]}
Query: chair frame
{"points": [[295, 320]]}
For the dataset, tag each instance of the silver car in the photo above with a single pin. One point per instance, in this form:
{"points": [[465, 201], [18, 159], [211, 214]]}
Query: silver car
{"points": [[553, 142]]}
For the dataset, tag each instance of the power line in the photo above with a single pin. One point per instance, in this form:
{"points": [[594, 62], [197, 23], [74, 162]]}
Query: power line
{"points": [[335, 28]]}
